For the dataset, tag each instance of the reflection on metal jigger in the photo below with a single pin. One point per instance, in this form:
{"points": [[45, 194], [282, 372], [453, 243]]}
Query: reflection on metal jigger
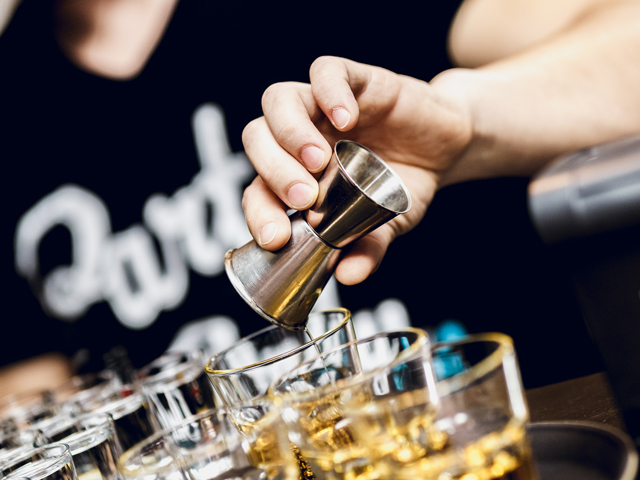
{"points": [[358, 193]]}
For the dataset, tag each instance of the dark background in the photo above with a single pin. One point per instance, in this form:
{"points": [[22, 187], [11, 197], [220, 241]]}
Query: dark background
{"points": [[475, 257]]}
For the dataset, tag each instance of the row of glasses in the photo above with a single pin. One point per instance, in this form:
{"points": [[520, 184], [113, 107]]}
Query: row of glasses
{"points": [[99, 417], [242, 374], [333, 407], [388, 406], [206, 446], [244, 437]]}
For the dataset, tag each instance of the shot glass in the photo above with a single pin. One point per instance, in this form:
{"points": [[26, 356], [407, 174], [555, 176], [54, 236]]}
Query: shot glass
{"points": [[18, 412], [206, 446], [352, 407], [93, 444], [131, 418], [176, 387], [19, 442], [84, 393], [51, 462]]}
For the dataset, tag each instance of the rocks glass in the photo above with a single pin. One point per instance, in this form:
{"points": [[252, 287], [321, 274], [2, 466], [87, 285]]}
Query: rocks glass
{"points": [[204, 447], [352, 408]]}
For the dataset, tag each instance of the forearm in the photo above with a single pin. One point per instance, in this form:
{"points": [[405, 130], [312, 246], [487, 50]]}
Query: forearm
{"points": [[579, 88]]}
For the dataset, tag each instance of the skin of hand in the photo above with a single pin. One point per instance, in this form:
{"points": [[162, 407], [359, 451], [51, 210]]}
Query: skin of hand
{"points": [[511, 117], [370, 105]]}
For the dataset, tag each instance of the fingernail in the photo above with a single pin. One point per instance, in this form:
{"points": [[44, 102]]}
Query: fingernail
{"points": [[340, 117], [300, 195], [268, 233], [312, 157]]}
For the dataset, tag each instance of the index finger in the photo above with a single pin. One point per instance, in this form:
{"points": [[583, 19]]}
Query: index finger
{"points": [[290, 110]]}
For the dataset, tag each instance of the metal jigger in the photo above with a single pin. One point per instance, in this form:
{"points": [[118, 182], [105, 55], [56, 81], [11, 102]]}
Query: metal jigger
{"points": [[358, 192]]}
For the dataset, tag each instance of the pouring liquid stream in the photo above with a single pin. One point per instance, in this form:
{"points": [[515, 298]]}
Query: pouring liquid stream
{"points": [[324, 365]]}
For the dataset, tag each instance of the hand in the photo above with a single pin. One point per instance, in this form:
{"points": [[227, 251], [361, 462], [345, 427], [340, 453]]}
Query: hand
{"points": [[416, 130]]}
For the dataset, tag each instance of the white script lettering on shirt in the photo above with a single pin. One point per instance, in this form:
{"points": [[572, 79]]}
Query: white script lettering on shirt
{"points": [[122, 267]]}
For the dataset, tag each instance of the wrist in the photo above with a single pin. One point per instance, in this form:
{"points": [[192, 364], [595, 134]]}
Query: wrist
{"points": [[461, 88]]}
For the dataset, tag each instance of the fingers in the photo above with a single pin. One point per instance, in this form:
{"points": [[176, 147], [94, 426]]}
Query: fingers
{"points": [[282, 173], [334, 81], [290, 111], [364, 256], [266, 216]]}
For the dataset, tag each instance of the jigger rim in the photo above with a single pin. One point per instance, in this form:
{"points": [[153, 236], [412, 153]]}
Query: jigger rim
{"points": [[390, 170], [288, 353]]}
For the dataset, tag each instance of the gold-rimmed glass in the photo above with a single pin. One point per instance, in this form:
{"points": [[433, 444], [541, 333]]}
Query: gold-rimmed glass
{"points": [[241, 376], [243, 372], [352, 406], [482, 414], [206, 446]]}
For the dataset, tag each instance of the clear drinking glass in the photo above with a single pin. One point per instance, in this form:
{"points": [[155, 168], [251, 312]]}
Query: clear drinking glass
{"points": [[206, 446], [22, 411], [84, 393], [131, 418], [243, 372], [93, 444], [51, 462], [353, 406], [241, 375], [482, 415], [18, 442], [176, 386]]}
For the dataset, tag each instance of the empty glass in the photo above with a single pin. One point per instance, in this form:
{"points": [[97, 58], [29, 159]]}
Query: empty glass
{"points": [[51, 462], [176, 386], [131, 418], [18, 442], [26, 409], [204, 447], [93, 444], [353, 407], [84, 393]]}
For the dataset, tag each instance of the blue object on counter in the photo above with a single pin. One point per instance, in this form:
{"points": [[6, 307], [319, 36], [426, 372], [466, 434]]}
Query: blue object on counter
{"points": [[447, 363]]}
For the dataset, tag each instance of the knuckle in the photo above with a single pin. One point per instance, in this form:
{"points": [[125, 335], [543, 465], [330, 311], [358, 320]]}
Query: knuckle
{"points": [[321, 62], [251, 129], [274, 92]]}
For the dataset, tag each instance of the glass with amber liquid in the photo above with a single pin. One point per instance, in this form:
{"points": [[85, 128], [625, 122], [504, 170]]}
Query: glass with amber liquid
{"points": [[482, 416], [206, 446], [478, 430], [241, 375], [381, 387]]}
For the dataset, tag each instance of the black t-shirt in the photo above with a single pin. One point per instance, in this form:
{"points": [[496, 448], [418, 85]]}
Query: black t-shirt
{"points": [[122, 196]]}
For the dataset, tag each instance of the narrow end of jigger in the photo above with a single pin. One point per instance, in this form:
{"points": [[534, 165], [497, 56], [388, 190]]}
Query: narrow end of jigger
{"points": [[240, 288]]}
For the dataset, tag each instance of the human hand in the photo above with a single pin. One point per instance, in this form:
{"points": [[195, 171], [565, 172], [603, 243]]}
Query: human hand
{"points": [[418, 131]]}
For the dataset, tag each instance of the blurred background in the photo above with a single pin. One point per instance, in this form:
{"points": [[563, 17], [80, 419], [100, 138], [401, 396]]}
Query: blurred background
{"points": [[124, 171]]}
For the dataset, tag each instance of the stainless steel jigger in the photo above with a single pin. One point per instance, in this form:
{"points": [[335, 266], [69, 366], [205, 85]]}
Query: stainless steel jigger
{"points": [[358, 193]]}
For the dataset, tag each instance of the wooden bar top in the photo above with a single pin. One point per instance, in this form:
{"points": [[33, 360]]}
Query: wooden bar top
{"points": [[584, 399]]}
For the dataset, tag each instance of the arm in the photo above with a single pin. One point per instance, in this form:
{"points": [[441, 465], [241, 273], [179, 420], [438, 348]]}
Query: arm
{"points": [[577, 88], [484, 31]]}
